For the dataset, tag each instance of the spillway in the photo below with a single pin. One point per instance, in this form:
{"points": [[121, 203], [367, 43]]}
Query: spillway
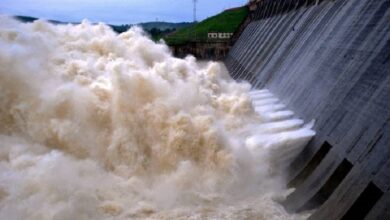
{"points": [[96, 125], [329, 61]]}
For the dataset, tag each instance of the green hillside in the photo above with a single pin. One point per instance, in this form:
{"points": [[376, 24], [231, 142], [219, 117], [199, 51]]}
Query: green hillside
{"points": [[227, 21], [161, 25]]}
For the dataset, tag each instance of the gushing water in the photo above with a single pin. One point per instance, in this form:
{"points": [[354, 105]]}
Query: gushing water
{"points": [[95, 125]]}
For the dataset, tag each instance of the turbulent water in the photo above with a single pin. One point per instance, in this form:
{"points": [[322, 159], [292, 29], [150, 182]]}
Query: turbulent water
{"points": [[95, 125]]}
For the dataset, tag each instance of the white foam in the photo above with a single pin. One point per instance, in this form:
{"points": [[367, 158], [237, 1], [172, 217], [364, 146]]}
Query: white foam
{"points": [[95, 125], [270, 108]]}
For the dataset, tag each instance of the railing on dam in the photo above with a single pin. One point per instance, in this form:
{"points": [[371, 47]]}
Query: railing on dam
{"points": [[329, 61]]}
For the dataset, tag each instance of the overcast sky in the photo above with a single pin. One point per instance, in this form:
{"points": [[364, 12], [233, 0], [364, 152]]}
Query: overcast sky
{"points": [[116, 11]]}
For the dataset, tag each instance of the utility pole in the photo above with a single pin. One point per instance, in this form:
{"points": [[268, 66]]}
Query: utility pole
{"points": [[194, 26], [194, 1]]}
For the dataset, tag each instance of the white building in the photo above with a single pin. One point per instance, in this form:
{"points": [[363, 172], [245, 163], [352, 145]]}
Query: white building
{"points": [[215, 35]]}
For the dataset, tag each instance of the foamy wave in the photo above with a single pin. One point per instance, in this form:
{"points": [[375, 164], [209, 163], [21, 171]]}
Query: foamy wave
{"points": [[95, 125]]}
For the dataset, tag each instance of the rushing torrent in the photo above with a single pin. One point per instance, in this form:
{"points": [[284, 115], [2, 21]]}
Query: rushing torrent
{"points": [[95, 125]]}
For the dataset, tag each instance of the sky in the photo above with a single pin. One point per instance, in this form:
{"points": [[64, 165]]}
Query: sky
{"points": [[116, 11]]}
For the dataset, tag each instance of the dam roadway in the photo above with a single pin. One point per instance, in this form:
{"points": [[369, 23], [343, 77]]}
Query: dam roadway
{"points": [[328, 61]]}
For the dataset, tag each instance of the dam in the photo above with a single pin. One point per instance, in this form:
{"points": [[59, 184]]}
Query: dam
{"points": [[327, 60], [292, 125]]}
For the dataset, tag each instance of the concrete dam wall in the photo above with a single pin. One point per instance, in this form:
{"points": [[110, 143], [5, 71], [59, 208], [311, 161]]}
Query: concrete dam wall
{"points": [[328, 61]]}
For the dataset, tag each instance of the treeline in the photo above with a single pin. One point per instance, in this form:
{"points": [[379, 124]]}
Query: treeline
{"points": [[156, 30], [120, 28], [155, 33]]}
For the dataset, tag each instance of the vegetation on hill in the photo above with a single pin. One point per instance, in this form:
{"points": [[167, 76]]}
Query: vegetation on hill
{"points": [[153, 27], [156, 29], [161, 25], [26, 18], [226, 22], [180, 33], [32, 19]]}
